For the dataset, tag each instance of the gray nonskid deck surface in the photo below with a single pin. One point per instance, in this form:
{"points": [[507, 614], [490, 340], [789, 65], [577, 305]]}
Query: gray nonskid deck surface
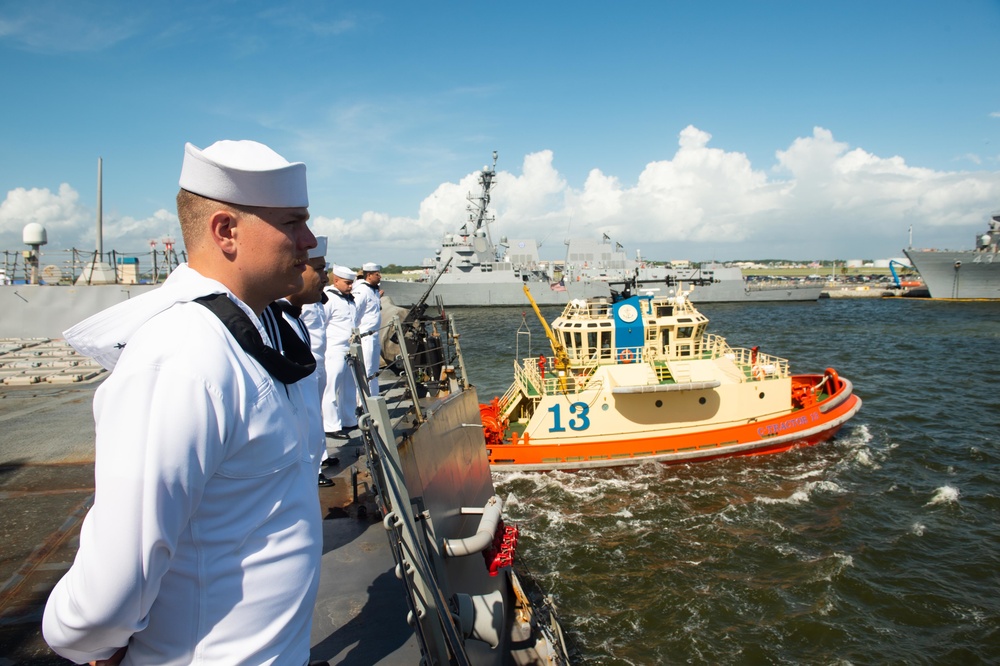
{"points": [[361, 609]]}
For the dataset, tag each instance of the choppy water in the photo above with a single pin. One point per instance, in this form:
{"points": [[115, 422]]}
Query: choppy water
{"points": [[881, 546]]}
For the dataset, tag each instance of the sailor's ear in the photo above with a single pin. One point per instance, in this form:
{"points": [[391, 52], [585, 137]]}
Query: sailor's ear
{"points": [[222, 229]]}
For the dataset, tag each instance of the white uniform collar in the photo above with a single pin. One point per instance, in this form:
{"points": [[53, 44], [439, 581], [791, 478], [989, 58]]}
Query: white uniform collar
{"points": [[103, 335]]}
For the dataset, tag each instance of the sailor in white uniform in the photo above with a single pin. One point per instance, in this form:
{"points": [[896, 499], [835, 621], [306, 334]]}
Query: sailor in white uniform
{"points": [[340, 398], [304, 312], [203, 543], [368, 298]]}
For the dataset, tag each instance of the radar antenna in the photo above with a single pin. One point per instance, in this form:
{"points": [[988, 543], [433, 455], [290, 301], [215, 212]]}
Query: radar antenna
{"points": [[478, 206]]}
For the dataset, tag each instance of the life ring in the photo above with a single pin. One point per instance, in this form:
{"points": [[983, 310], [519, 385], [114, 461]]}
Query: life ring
{"points": [[759, 373], [626, 356], [833, 379]]}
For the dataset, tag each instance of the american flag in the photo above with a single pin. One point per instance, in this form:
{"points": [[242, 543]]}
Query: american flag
{"points": [[558, 286]]}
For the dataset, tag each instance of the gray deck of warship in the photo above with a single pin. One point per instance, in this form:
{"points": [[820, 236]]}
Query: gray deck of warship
{"points": [[364, 601]]}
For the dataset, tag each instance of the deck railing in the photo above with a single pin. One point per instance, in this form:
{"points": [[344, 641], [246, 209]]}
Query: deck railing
{"points": [[528, 378]]}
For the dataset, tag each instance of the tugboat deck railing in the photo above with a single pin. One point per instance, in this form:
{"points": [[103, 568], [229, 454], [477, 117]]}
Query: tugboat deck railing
{"points": [[528, 379]]}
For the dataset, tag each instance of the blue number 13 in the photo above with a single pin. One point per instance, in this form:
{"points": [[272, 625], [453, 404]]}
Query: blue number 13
{"points": [[581, 422]]}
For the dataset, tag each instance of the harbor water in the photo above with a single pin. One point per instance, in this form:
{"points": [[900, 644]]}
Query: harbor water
{"points": [[881, 546]]}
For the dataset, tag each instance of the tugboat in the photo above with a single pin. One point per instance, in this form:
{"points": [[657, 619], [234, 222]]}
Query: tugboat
{"points": [[635, 378]]}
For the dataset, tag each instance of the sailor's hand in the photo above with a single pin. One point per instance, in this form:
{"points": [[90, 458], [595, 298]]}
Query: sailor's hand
{"points": [[113, 660]]}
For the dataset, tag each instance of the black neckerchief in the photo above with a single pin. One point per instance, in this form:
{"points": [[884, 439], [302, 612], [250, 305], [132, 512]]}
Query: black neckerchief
{"points": [[273, 312], [347, 297], [295, 360], [287, 307], [374, 287]]}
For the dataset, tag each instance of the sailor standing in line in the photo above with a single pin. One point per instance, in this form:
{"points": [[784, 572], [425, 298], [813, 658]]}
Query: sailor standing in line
{"points": [[368, 298], [304, 312], [204, 539], [340, 397]]}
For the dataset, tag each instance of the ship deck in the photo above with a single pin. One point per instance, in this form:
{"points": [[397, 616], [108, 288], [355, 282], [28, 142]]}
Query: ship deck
{"points": [[47, 485]]}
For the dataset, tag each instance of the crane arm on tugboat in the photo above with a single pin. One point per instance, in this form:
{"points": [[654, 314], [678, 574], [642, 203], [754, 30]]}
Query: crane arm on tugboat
{"points": [[562, 358]]}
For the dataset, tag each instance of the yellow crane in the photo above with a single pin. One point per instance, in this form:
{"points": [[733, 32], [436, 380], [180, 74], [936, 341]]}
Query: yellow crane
{"points": [[558, 350]]}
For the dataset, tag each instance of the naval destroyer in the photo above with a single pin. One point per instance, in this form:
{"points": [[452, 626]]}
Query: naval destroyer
{"points": [[963, 274], [470, 270]]}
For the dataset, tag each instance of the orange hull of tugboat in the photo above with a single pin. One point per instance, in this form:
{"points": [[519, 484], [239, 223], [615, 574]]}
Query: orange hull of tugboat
{"points": [[812, 421]]}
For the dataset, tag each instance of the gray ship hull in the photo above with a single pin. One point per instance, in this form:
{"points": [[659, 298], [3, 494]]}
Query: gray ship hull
{"points": [[483, 294], [478, 294], [45, 311], [738, 291], [958, 275]]}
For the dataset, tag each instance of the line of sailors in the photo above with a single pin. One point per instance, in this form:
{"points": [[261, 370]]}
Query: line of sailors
{"points": [[325, 313]]}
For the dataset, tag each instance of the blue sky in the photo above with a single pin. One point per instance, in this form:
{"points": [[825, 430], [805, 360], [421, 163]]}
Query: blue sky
{"points": [[698, 130]]}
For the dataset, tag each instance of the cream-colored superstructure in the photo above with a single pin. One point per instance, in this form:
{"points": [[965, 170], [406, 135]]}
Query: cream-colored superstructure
{"points": [[679, 379]]}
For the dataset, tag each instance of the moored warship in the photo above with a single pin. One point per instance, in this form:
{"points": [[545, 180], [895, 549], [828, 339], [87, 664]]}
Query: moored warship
{"points": [[963, 274], [470, 270]]}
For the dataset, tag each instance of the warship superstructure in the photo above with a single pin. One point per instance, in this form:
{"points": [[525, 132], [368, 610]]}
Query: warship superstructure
{"points": [[469, 269]]}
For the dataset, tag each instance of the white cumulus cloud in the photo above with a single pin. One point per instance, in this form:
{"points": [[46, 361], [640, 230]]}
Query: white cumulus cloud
{"points": [[820, 199], [59, 212], [70, 224]]}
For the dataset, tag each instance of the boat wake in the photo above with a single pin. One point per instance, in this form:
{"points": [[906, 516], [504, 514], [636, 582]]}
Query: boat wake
{"points": [[655, 559], [944, 495]]}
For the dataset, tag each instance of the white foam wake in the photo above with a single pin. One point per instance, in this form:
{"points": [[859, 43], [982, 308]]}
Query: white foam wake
{"points": [[944, 495]]}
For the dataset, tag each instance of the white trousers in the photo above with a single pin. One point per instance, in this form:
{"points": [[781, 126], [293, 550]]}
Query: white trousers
{"points": [[371, 347], [340, 398]]}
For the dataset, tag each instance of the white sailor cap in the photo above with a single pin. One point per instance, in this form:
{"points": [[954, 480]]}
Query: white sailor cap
{"points": [[245, 173], [320, 249], [371, 268], [345, 272]]}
